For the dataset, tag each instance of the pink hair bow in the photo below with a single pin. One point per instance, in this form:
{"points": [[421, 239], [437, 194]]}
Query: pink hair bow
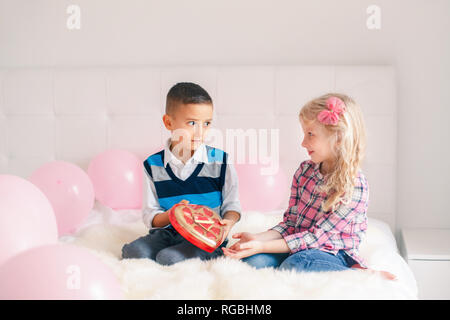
{"points": [[335, 108]]}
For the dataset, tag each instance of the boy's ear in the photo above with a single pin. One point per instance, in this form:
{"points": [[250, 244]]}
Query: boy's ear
{"points": [[167, 121]]}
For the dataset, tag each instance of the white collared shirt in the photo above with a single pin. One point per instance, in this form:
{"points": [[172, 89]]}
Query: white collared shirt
{"points": [[230, 193]]}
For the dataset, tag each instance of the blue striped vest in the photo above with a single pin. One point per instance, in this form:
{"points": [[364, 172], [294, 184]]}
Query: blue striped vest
{"points": [[203, 186]]}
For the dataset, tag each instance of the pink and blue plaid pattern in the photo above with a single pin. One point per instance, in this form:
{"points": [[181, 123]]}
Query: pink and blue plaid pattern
{"points": [[306, 226]]}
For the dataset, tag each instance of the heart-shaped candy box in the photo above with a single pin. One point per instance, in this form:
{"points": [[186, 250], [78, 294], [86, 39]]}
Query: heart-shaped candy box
{"points": [[198, 224]]}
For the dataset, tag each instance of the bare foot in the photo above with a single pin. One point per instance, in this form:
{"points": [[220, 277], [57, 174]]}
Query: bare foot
{"points": [[385, 274]]}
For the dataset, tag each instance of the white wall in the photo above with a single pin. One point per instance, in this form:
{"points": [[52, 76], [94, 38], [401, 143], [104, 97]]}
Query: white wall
{"points": [[413, 38]]}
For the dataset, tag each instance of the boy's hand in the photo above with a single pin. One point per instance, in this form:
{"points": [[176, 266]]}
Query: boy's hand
{"points": [[228, 223], [229, 220], [162, 219]]}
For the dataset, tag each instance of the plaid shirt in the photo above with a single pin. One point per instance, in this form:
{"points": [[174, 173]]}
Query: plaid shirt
{"points": [[306, 226]]}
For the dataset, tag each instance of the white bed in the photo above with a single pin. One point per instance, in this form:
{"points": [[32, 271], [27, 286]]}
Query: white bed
{"points": [[106, 230]]}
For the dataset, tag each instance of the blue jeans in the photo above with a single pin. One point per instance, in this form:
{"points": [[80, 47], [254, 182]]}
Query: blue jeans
{"points": [[302, 261], [166, 246]]}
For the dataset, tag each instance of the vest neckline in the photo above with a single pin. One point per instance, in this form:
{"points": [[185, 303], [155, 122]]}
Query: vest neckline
{"points": [[192, 176]]}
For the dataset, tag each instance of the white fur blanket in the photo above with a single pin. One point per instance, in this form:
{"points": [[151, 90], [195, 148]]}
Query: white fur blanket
{"points": [[106, 231]]}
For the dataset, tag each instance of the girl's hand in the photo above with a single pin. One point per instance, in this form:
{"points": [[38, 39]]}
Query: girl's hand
{"points": [[243, 238], [246, 249]]}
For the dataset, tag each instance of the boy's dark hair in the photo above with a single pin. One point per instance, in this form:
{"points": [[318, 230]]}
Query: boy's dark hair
{"points": [[186, 93]]}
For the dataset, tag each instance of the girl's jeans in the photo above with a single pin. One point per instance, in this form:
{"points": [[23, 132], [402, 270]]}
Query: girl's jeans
{"points": [[166, 246], [305, 260]]}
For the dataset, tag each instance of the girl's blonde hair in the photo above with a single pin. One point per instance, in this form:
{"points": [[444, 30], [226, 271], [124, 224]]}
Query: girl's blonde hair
{"points": [[348, 142]]}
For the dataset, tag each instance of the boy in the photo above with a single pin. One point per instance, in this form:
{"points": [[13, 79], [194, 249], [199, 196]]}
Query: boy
{"points": [[186, 171]]}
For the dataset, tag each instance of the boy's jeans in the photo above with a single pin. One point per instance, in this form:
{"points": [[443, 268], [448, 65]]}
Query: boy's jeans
{"points": [[166, 246], [305, 260]]}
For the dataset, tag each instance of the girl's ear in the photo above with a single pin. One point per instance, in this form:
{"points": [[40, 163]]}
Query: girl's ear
{"points": [[335, 142], [168, 122], [338, 138]]}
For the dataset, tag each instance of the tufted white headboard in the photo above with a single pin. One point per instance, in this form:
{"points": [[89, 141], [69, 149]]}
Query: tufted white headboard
{"points": [[72, 114]]}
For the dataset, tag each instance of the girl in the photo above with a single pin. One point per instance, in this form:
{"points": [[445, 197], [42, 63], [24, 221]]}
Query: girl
{"points": [[326, 218]]}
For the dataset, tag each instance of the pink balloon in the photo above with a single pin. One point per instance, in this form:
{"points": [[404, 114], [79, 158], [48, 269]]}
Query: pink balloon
{"points": [[59, 271], [26, 217], [69, 190], [261, 192], [117, 177]]}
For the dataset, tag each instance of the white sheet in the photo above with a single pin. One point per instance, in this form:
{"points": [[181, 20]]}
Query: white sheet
{"points": [[106, 230]]}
